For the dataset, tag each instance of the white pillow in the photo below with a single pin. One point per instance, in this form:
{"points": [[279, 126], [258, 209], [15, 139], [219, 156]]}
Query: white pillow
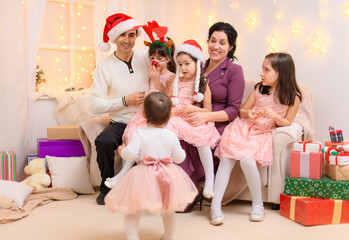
{"points": [[15, 190], [70, 172]]}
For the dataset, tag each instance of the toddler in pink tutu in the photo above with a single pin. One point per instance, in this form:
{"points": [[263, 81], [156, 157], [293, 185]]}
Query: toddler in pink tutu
{"points": [[155, 184], [274, 102], [161, 73], [190, 93]]}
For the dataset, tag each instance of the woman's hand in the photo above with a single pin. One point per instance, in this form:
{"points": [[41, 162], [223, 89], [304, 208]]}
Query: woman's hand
{"points": [[196, 118], [121, 147], [187, 109], [270, 113]]}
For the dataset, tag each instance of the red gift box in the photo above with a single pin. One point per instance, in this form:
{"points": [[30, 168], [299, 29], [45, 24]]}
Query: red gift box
{"points": [[314, 211], [306, 165]]}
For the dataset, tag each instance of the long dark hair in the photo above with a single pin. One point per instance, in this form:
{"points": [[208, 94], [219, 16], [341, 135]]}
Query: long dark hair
{"points": [[162, 51], [287, 88], [231, 34], [203, 79]]}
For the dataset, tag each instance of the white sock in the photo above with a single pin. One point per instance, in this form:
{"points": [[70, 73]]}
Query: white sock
{"points": [[127, 165], [222, 179], [253, 180], [169, 221], [205, 154], [131, 226]]}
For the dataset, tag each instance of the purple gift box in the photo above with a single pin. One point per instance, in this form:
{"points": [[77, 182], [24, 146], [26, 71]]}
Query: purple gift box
{"points": [[60, 148]]}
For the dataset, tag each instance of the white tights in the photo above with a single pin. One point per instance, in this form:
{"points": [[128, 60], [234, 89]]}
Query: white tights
{"points": [[205, 154], [132, 223], [252, 177]]}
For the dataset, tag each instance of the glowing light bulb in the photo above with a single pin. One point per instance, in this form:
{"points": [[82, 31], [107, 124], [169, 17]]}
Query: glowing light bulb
{"points": [[274, 42], [346, 9], [317, 43], [83, 48], [62, 38], [278, 16], [79, 35], [61, 27], [84, 28], [209, 20], [57, 59], [251, 20], [79, 13], [62, 5], [235, 5], [297, 27], [61, 16]]}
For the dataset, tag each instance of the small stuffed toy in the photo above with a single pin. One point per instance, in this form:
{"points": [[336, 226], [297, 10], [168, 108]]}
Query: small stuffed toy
{"points": [[39, 179]]}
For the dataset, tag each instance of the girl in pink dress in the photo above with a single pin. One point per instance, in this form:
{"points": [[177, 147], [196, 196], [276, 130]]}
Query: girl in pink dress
{"points": [[190, 92], [155, 184], [161, 73], [274, 102]]}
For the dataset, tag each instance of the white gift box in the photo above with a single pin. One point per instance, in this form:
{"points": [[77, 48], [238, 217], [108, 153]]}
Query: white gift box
{"points": [[307, 147], [339, 160]]}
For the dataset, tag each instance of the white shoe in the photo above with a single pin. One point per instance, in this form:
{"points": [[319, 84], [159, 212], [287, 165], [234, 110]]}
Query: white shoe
{"points": [[208, 191], [257, 214], [217, 217], [109, 183]]}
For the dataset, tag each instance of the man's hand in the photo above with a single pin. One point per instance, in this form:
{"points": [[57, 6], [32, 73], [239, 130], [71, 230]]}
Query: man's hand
{"points": [[135, 98]]}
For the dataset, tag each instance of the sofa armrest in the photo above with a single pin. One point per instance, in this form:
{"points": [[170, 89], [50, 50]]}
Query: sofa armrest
{"points": [[283, 139]]}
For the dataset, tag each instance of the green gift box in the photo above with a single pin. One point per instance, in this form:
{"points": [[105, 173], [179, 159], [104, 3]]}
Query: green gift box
{"points": [[319, 188]]}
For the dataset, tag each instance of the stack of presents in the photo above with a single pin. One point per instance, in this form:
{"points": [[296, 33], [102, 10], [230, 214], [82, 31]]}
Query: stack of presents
{"points": [[317, 191], [61, 141]]}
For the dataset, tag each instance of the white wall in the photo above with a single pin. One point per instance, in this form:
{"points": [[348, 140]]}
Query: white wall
{"points": [[326, 74]]}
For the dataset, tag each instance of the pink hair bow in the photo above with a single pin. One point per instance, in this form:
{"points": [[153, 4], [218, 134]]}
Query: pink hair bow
{"points": [[162, 176]]}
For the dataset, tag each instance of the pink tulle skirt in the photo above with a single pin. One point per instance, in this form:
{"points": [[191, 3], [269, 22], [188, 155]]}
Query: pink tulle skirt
{"points": [[244, 139], [202, 135], [139, 190]]}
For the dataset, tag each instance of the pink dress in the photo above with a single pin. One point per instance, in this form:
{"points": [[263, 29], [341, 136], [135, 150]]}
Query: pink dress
{"points": [[203, 135], [138, 121], [244, 139], [155, 184]]}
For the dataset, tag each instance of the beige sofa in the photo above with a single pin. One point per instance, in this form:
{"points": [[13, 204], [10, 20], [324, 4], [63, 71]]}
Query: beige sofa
{"points": [[272, 177]]}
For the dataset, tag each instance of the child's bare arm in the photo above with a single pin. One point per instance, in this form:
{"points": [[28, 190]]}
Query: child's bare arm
{"points": [[246, 109], [288, 119]]}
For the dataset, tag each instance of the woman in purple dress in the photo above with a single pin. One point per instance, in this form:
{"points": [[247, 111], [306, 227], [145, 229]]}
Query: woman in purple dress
{"points": [[227, 83]]}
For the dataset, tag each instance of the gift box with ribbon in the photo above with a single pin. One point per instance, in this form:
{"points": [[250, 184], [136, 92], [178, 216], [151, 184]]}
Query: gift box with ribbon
{"points": [[320, 188], [314, 211], [336, 172], [341, 159], [306, 165], [336, 135], [308, 146]]}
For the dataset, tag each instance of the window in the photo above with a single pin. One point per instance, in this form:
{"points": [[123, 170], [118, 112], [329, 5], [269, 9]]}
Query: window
{"points": [[66, 46]]}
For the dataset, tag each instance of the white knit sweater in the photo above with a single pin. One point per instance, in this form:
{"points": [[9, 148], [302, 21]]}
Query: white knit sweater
{"points": [[112, 81]]}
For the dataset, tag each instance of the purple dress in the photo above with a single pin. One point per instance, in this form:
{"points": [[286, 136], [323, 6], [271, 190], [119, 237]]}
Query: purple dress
{"points": [[227, 85]]}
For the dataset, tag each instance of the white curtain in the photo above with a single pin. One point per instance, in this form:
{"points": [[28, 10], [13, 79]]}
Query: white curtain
{"points": [[20, 23]]}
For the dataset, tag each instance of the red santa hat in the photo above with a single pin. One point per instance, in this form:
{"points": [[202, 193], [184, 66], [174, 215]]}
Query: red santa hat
{"points": [[116, 25], [192, 48]]}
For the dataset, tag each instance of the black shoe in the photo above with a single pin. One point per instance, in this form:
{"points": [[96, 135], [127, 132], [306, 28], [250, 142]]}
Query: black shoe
{"points": [[100, 199], [198, 199]]}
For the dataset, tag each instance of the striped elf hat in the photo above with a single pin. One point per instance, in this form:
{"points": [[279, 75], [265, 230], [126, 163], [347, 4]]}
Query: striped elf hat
{"points": [[192, 48]]}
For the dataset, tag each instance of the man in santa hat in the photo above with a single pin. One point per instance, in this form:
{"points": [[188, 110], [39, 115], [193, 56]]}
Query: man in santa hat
{"points": [[119, 86]]}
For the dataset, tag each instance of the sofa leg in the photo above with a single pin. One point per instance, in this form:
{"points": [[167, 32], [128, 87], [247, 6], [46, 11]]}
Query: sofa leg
{"points": [[275, 206]]}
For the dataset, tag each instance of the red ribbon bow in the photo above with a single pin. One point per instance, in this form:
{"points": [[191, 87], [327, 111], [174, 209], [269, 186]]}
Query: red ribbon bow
{"points": [[305, 143]]}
